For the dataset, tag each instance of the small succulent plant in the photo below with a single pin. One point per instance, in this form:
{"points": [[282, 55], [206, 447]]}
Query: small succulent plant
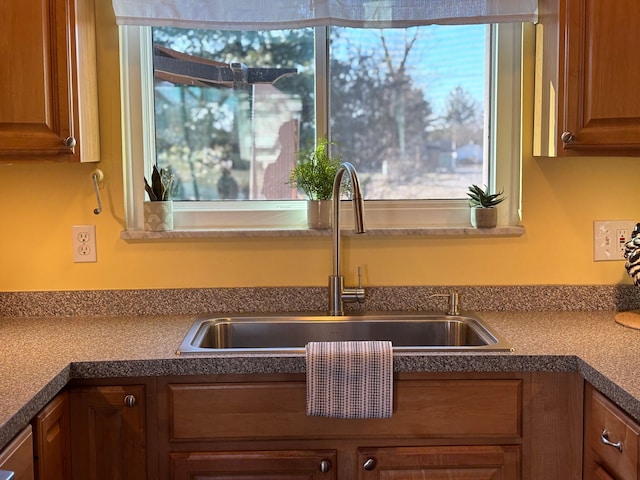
{"points": [[160, 187], [479, 197]]}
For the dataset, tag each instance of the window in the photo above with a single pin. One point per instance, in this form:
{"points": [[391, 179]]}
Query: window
{"points": [[416, 110]]}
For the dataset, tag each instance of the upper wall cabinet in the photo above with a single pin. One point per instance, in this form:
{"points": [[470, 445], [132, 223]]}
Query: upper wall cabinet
{"points": [[587, 71], [48, 81]]}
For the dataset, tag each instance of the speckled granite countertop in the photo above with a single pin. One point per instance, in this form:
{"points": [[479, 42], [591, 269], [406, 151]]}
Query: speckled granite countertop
{"points": [[40, 355]]}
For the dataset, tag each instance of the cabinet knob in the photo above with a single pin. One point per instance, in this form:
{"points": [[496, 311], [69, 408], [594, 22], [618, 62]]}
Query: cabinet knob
{"points": [[69, 142], [369, 464], [130, 401], [567, 137], [325, 466]]}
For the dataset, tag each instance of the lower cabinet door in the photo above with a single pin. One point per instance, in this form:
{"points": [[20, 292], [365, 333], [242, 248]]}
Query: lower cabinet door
{"points": [[108, 434], [440, 463], [262, 465], [52, 447]]}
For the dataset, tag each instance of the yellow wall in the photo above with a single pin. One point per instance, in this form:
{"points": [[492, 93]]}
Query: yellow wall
{"points": [[561, 198]]}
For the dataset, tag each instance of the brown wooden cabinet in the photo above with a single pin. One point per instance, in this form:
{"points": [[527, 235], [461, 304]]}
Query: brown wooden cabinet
{"points": [[444, 426], [48, 94], [52, 453], [17, 456], [611, 440], [108, 432], [587, 100]]}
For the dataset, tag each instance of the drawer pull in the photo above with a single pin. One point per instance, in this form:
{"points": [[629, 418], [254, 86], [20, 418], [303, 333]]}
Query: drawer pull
{"points": [[604, 438], [130, 401]]}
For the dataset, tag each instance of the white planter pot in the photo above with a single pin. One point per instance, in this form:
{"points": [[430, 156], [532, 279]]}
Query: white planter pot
{"points": [[319, 214], [482, 217], [158, 216]]}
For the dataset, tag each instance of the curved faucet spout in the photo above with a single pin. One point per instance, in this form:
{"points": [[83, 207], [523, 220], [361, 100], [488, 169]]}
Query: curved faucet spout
{"points": [[337, 293]]}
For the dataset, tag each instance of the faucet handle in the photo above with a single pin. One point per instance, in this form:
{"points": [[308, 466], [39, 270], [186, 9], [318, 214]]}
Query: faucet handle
{"points": [[453, 302], [354, 294]]}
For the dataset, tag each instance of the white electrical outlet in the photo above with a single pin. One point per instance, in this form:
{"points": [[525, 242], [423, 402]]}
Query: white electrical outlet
{"points": [[609, 238], [84, 243]]}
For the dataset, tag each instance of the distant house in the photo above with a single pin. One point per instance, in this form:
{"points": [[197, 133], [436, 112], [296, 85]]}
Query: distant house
{"points": [[469, 153]]}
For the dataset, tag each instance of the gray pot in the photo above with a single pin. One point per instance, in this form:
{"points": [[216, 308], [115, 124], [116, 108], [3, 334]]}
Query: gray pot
{"points": [[484, 217], [319, 214]]}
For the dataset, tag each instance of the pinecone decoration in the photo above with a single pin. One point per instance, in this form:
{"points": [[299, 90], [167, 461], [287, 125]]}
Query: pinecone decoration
{"points": [[632, 254]]}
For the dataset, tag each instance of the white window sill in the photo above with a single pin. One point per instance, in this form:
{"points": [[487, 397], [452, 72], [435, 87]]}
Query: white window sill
{"points": [[500, 231]]}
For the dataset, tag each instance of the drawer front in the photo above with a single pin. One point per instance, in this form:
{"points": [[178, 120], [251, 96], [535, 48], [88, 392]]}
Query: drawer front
{"points": [[423, 408], [477, 462], [610, 424], [264, 465]]}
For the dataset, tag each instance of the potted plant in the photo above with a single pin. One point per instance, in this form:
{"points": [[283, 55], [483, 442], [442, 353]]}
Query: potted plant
{"points": [[158, 211], [484, 213], [314, 175]]}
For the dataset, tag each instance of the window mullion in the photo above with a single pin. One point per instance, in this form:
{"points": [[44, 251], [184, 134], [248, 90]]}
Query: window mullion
{"points": [[506, 122]]}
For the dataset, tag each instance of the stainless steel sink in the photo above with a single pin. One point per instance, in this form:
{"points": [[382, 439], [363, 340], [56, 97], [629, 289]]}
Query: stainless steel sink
{"points": [[291, 332]]}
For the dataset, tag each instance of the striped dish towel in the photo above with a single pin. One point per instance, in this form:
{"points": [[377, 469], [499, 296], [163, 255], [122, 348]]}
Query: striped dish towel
{"points": [[350, 379]]}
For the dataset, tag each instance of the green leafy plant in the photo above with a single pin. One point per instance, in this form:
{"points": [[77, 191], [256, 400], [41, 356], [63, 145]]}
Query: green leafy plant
{"points": [[160, 187], [480, 197], [315, 171]]}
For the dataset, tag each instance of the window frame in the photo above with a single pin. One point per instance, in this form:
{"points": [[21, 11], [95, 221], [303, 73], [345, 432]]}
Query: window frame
{"points": [[136, 64]]}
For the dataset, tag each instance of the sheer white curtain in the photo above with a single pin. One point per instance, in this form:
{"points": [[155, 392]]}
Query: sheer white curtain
{"points": [[277, 14]]}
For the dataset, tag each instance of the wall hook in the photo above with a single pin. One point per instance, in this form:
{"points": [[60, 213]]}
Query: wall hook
{"points": [[97, 176]]}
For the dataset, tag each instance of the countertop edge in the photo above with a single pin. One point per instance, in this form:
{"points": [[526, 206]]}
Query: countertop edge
{"points": [[295, 363]]}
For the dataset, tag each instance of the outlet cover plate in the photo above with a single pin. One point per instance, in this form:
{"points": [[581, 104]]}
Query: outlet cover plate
{"points": [[84, 243], [609, 238]]}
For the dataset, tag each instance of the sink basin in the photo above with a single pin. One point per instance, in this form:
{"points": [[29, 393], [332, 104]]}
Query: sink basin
{"points": [[291, 332]]}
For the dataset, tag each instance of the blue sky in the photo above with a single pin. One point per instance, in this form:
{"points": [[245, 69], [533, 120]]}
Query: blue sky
{"points": [[457, 56], [442, 58]]}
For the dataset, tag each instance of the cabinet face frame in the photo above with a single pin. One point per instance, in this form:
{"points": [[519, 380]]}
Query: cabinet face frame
{"points": [[552, 408]]}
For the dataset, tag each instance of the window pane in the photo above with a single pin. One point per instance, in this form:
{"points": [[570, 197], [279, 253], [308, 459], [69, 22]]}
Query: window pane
{"points": [[407, 108], [231, 110]]}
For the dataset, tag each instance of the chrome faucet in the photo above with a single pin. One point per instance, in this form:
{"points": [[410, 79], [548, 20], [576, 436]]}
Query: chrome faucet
{"points": [[338, 293]]}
